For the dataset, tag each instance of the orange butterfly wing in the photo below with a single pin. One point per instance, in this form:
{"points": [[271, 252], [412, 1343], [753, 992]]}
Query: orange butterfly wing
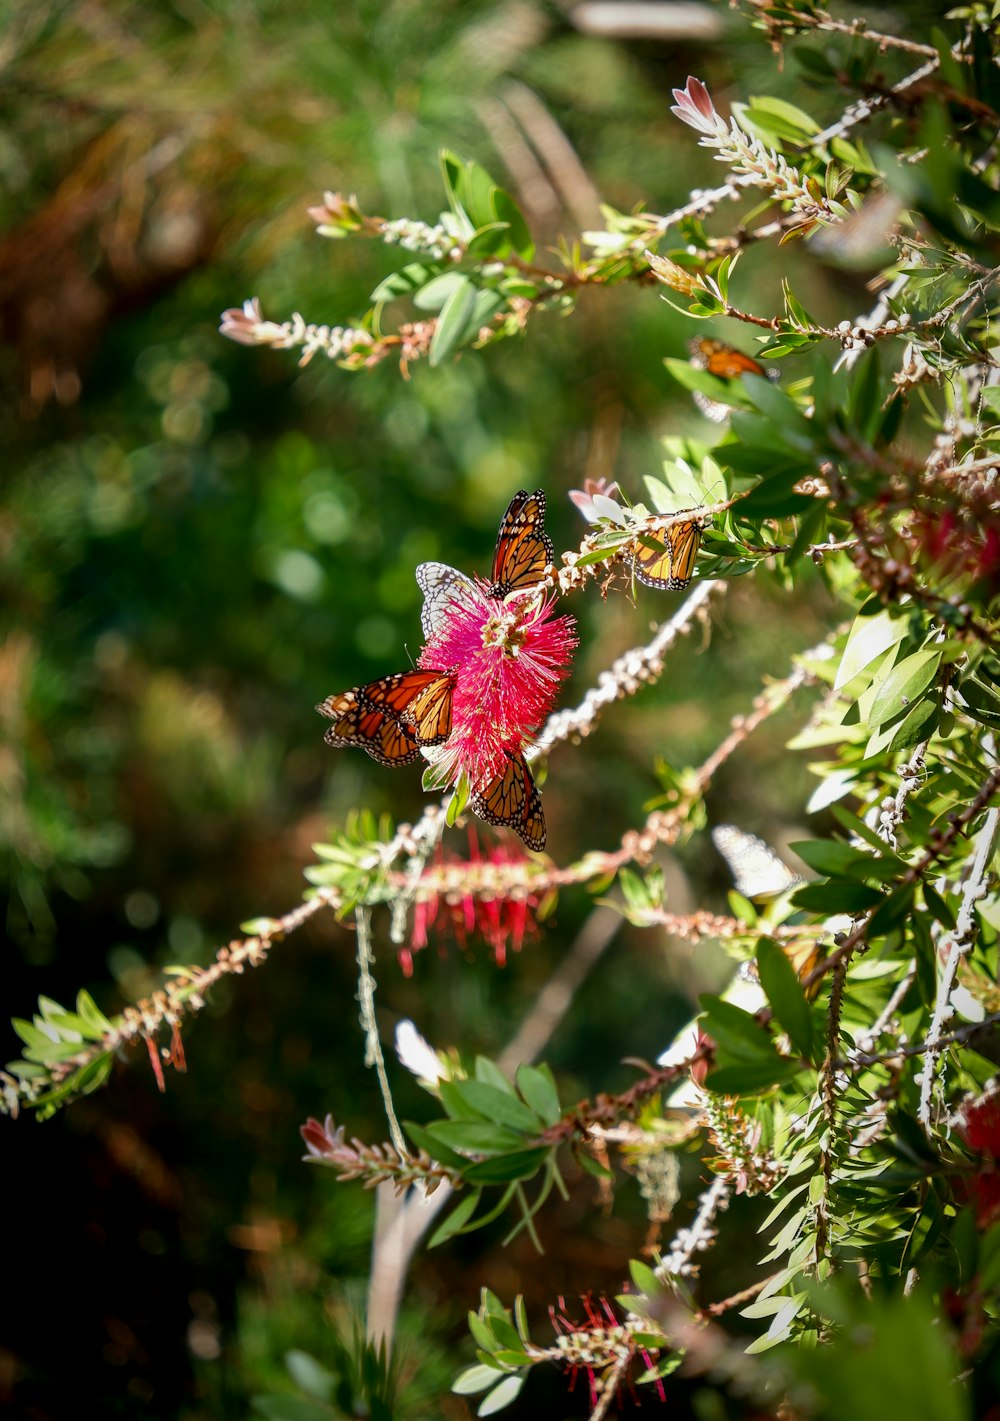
{"points": [[376, 716], [670, 563], [722, 360], [511, 798], [523, 549], [355, 722], [429, 713]]}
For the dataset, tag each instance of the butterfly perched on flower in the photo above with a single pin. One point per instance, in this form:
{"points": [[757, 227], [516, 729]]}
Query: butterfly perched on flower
{"points": [[725, 362], [523, 548], [511, 798], [486, 678], [665, 558], [393, 717]]}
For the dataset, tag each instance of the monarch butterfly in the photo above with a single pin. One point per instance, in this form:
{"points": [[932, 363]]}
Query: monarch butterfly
{"points": [[523, 549], [665, 558], [725, 362], [757, 870], [722, 360], [511, 798], [442, 587], [393, 717]]}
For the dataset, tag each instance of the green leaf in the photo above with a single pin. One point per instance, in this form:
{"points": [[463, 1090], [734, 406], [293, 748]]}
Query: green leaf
{"points": [[918, 724], [309, 1375], [456, 1220], [856, 827], [592, 1166], [784, 992], [500, 1106], [501, 1396], [520, 1164], [539, 1090], [476, 191], [452, 171], [435, 294], [891, 912], [91, 1014], [751, 1077], [837, 897], [414, 277], [869, 639], [982, 701], [435, 1148], [936, 905], [456, 1103], [476, 1137], [453, 321], [902, 684], [644, 1278], [474, 1379], [837, 860], [508, 211], [733, 1029]]}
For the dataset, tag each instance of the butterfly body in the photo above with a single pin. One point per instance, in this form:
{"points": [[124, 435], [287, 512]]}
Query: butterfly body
{"points": [[725, 362], [665, 558]]}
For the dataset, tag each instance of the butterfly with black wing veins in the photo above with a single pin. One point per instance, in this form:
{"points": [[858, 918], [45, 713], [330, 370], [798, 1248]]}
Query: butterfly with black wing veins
{"points": [[665, 558], [487, 676], [725, 362]]}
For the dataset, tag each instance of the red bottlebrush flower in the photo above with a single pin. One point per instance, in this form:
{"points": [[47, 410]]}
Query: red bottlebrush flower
{"points": [[978, 1125], [508, 658], [453, 897], [957, 547]]}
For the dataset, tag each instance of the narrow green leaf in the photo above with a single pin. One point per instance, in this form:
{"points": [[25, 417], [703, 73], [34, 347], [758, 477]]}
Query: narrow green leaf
{"points": [[869, 639], [751, 1077], [784, 992], [501, 1396], [902, 684], [539, 1090], [502, 1107], [309, 1375], [476, 1137], [456, 1220], [435, 1148], [453, 321], [519, 1164], [474, 1379]]}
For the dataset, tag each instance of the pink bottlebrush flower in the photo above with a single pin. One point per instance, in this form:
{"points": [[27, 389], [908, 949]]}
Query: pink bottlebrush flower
{"points": [[508, 658], [695, 108], [452, 897]]}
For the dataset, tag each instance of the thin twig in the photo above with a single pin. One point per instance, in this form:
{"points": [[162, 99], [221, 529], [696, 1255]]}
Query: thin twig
{"points": [[373, 1047]]}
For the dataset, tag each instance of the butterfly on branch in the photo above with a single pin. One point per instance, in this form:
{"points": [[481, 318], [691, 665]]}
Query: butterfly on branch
{"points": [[725, 362], [665, 558]]}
